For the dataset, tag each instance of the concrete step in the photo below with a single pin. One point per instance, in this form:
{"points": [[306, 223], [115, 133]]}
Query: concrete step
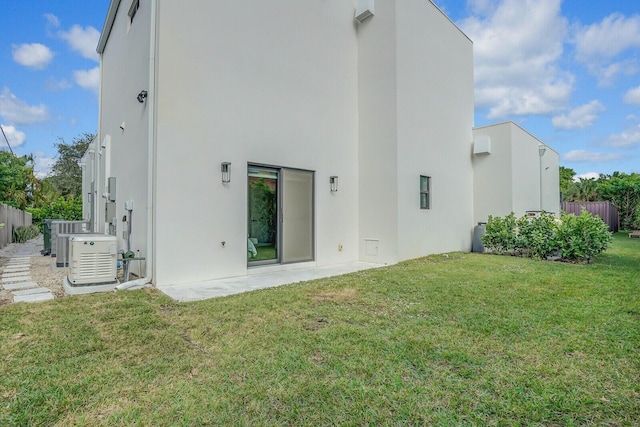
{"points": [[16, 279], [33, 297], [21, 285], [31, 291]]}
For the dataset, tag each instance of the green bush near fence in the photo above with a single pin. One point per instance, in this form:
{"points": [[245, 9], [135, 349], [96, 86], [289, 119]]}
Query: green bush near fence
{"points": [[573, 238], [24, 233], [69, 209]]}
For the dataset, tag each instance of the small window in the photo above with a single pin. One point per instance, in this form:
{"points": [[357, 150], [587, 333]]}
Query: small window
{"points": [[425, 192], [135, 5]]}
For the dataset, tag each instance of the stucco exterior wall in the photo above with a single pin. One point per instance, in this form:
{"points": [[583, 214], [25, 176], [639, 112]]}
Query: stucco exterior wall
{"points": [[514, 177], [280, 89], [435, 118], [492, 174], [123, 154], [378, 135]]}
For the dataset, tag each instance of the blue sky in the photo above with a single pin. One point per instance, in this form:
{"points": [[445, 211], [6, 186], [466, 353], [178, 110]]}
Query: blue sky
{"points": [[567, 71]]}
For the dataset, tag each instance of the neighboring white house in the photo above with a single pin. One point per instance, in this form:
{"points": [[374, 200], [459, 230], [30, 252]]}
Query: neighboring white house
{"points": [[340, 140], [513, 171]]}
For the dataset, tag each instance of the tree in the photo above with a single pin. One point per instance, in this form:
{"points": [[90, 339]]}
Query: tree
{"points": [[566, 179], [583, 190], [623, 190], [17, 181], [66, 173]]}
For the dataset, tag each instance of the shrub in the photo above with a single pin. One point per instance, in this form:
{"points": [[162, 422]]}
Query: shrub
{"points": [[536, 235], [23, 233], [574, 238], [582, 237], [62, 208], [500, 235]]}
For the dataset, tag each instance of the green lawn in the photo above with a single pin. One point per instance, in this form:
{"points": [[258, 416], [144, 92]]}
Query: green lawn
{"points": [[462, 339]]}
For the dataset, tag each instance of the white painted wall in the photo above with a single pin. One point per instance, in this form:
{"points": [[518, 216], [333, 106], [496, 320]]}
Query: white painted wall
{"points": [[87, 165], [123, 154], [509, 179], [492, 182], [378, 135], [273, 83], [435, 118]]}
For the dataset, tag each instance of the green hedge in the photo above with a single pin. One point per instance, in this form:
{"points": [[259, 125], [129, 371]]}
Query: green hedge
{"points": [[573, 238], [62, 208]]}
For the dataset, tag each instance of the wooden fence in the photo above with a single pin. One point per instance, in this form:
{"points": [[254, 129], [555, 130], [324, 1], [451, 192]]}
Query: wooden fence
{"points": [[11, 217], [605, 210]]}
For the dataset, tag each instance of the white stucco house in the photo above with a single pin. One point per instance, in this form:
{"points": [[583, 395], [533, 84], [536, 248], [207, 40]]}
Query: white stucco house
{"points": [[235, 135], [513, 171]]}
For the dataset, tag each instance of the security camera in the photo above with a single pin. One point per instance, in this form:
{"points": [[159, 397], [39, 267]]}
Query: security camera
{"points": [[122, 126], [141, 96]]}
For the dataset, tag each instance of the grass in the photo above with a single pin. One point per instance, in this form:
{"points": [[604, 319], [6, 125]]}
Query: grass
{"points": [[462, 339]]}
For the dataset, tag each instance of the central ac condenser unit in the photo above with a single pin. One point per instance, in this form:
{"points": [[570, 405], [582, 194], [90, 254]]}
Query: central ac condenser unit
{"points": [[93, 259]]}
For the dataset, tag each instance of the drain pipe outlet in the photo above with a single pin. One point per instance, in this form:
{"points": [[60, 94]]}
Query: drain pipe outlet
{"points": [[132, 283]]}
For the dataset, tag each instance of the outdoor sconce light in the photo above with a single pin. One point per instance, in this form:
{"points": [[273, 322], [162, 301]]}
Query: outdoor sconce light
{"points": [[333, 181], [142, 96], [542, 149], [225, 168]]}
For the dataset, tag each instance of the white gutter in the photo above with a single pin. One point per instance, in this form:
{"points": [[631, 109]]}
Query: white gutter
{"points": [[151, 155]]}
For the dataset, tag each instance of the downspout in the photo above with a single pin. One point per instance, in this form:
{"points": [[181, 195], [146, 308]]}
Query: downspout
{"points": [[151, 160]]}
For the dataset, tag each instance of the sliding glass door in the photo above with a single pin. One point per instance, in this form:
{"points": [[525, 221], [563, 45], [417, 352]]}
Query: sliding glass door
{"points": [[280, 215]]}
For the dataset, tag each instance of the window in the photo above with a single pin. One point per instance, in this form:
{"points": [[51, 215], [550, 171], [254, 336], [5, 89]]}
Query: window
{"points": [[135, 5], [425, 192]]}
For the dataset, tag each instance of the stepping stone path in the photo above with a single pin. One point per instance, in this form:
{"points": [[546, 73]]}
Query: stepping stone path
{"points": [[16, 279]]}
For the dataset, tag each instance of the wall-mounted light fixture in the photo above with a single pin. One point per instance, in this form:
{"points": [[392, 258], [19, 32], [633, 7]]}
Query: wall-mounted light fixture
{"points": [[225, 168], [142, 96], [541, 150], [333, 181]]}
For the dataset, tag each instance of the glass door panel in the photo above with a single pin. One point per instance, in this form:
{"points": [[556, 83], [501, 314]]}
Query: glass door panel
{"points": [[297, 215], [263, 193]]}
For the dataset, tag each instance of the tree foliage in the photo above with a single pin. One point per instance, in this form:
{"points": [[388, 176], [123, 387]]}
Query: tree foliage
{"points": [[66, 172], [566, 179], [17, 181], [583, 190], [623, 190]]}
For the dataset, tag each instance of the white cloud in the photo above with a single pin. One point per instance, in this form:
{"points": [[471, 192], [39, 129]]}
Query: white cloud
{"points": [[88, 79], [83, 40], [586, 156], [15, 137], [54, 85], [630, 138], [42, 164], [632, 96], [52, 20], [32, 55], [580, 117], [597, 46], [16, 111], [587, 175], [517, 48]]}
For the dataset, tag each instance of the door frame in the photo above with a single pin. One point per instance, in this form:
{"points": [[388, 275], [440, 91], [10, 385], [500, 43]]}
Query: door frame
{"points": [[279, 209]]}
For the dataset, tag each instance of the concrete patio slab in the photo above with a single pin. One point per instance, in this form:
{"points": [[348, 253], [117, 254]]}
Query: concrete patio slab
{"points": [[21, 285], [33, 298], [259, 279], [31, 291]]}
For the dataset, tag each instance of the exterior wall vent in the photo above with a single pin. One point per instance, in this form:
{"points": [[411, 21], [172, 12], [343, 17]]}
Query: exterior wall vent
{"points": [[482, 145], [364, 10]]}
